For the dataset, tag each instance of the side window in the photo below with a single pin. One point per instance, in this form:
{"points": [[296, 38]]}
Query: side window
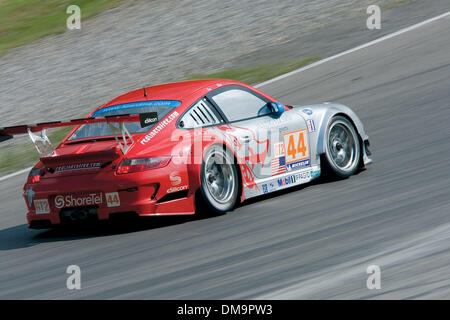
{"points": [[238, 104], [199, 115]]}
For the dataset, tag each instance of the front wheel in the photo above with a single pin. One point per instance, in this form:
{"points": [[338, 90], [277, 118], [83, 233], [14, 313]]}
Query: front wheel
{"points": [[343, 149], [219, 180]]}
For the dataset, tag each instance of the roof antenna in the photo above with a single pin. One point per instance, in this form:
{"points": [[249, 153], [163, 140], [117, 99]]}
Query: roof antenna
{"points": [[145, 92]]}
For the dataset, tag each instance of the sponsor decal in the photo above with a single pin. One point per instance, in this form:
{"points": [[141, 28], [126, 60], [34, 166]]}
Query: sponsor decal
{"points": [[272, 187], [307, 111], [156, 103], [30, 196], [311, 125], [41, 206], [296, 149], [265, 189], [298, 164], [278, 149], [176, 189], [160, 127], [78, 201], [315, 173], [78, 166], [305, 175], [147, 119], [112, 199], [294, 179], [269, 187], [287, 180], [175, 178]]}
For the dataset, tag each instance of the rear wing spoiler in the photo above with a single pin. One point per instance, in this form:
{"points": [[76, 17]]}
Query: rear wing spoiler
{"points": [[45, 148]]}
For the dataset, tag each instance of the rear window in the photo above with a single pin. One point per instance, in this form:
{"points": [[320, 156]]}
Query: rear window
{"points": [[92, 130]]}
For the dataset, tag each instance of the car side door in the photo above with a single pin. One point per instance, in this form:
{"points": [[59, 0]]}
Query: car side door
{"points": [[260, 131]]}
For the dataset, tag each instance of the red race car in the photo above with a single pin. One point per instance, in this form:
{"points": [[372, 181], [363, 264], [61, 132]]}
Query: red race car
{"points": [[161, 149]]}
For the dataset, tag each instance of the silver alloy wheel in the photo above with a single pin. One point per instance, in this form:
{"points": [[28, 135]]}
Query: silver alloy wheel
{"points": [[219, 177], [219, 180], [343, 147]]}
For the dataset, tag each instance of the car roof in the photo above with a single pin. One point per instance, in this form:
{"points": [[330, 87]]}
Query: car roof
{"points": [[170, 91]]}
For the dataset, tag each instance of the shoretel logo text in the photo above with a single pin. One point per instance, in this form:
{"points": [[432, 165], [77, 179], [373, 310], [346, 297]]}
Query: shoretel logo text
{"points": [[72, 201]]}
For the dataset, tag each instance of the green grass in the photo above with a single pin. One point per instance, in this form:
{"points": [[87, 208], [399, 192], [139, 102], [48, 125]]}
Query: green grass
{"points": [[396, 4], [257, 74], [21, 155], [24, 21]]}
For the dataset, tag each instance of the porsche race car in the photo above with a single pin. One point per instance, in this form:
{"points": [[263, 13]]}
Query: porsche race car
{"points": [[162, 149]]}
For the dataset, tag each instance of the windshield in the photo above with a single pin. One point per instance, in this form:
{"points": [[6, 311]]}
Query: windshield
{"points": [[91, 130]]}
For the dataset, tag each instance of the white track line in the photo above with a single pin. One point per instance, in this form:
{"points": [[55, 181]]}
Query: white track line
{"points": [[15, 174], [312, 65], [368, 44]]}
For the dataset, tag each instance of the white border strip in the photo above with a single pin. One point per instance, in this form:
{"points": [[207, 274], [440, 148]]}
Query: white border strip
{"points": [[368, 44], [312, 65], [15, 174]]}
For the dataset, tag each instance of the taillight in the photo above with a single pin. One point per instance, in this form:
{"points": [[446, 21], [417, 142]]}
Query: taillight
{"points": [[142, 164], [35, 175]]}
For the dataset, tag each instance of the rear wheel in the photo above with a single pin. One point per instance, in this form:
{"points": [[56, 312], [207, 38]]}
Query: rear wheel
{"points": [[343, 149], [219, 180]]}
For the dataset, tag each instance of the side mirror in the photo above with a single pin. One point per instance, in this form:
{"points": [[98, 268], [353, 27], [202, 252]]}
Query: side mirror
{"points": [[277, 108]]}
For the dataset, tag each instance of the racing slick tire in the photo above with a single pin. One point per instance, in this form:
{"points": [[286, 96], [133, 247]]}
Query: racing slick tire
{"points": [[219, 180], [343, 148]]}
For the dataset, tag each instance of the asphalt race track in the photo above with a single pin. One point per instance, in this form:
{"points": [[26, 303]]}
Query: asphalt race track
{"points": [[314, 241]]}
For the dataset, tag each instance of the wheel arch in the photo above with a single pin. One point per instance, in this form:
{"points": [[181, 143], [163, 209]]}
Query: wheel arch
{"points": [[323, 115], [226, 146], [361, 141]]}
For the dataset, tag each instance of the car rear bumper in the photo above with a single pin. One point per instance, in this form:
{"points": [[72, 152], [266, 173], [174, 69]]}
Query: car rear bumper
{"points": [[105, 196], [56, 217]]}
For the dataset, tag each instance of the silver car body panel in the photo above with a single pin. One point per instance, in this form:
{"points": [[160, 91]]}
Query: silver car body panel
{"points": [[322, 115], [257, 143]]}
